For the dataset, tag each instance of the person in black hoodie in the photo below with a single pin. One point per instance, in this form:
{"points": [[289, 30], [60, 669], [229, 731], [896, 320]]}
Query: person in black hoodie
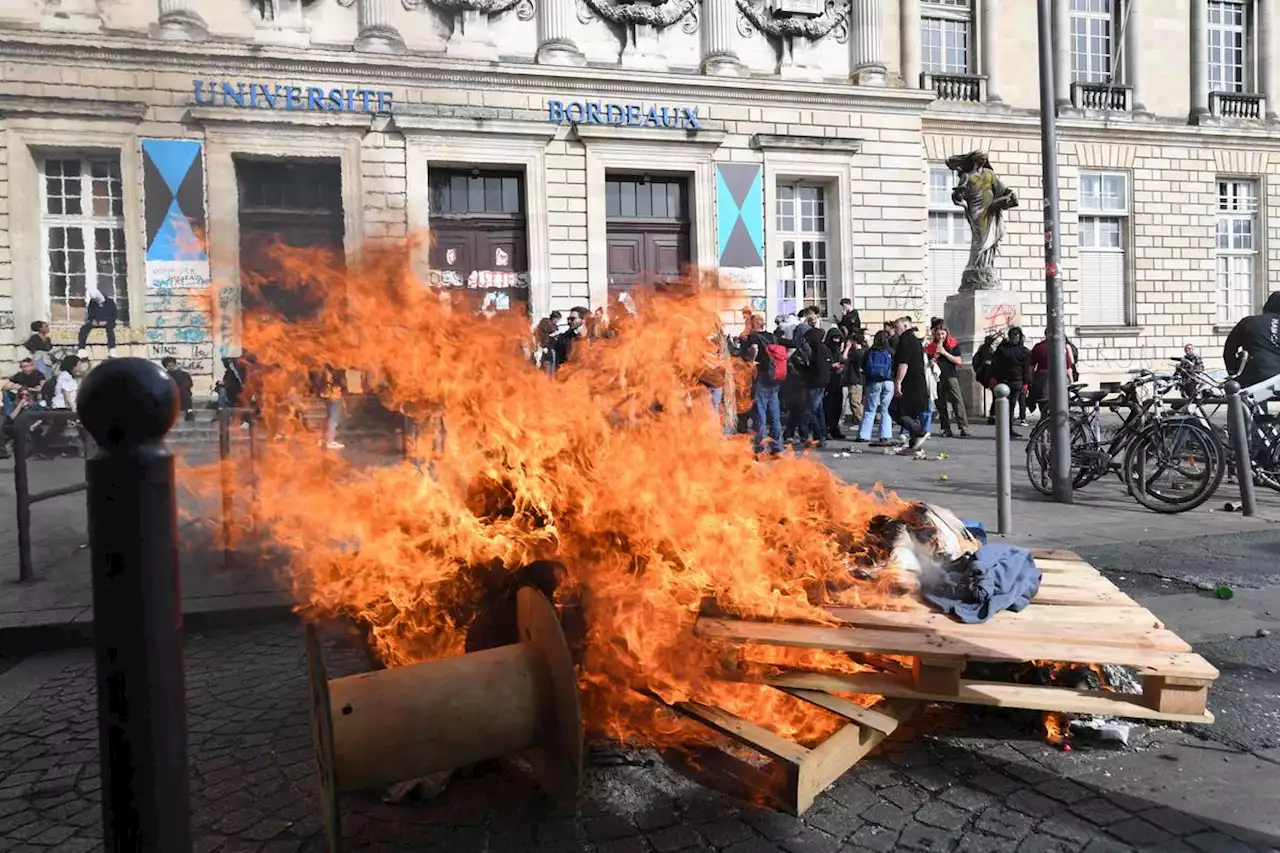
{"points": [[815, 379], [184, 382], [100, 313], [1011, 365], [833, 399], [1259, 336]]}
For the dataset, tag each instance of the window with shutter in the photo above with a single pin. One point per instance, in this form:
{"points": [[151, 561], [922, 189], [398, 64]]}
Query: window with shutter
{"points": [[1236, 248], [948, 240], [1103, 241]]}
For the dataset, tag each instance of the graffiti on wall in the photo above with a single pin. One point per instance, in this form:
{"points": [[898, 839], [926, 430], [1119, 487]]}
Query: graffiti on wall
{"points": [[6, 321]]}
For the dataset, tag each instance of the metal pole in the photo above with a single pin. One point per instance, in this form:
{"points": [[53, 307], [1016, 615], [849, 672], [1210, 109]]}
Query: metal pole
{"points": [[1238, 426], [22, 491], [128, 405], [228, 486], [1059, 430], [1004, 495]]}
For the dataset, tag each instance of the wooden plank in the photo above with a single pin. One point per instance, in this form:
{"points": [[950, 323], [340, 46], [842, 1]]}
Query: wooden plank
{"points": [[1071, 597], [960, 649], [1049, 564], [989, 693], [1055, 554], [1078, 582], [1046, 627], [1135, 615], [868, 717], [744, 731], [828, 761], [1173, 696]]}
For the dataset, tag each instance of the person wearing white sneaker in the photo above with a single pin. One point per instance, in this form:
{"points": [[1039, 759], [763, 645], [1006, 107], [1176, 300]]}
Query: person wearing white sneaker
{"points": [[100, 313]]}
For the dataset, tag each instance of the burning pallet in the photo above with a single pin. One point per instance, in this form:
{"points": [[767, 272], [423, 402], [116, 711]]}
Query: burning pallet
{"points": [[1078, 617]]}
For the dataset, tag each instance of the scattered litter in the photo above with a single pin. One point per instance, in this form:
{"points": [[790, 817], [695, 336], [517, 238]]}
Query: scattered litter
{"points": [[943, 478], [1263, 633], [920, 454], [1224, 592], [943, 456], [1104, 728], [1230, 506], [1202, 585]]}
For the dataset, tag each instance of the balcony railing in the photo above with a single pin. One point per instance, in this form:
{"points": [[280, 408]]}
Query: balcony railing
{"points": [[957, 88], [1106, 97], [1238, 105]]}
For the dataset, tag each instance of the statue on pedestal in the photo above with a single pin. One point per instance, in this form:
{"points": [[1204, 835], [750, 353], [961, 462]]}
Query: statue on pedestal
{"points": [[984, 199]]}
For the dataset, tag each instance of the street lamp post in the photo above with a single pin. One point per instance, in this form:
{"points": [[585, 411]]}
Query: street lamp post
{"points": [[1059, 433]]}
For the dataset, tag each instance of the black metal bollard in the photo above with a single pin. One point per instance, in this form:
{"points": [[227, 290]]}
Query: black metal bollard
{"points": [[1004, 499], [1238, 427], [128, 405]]}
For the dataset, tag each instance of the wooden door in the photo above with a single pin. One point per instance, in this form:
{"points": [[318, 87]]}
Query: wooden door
{"points": [[295, 204], [647, 226]]}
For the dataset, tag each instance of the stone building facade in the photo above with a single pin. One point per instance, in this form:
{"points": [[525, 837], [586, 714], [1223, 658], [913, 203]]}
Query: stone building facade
{"points": [[557, 151]]}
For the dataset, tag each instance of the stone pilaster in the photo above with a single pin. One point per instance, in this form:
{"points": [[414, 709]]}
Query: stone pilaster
{"points": [[1267, 57], [555, 46], [179, 22], [989, 33], [1199, 60], [377, 33], [1061, 27], [1134, 34], [909, 42], [866, 43], [718, 55]]}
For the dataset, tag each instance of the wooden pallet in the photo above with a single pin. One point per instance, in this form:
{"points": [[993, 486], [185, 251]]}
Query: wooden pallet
{"points": [[808, 771], [1078, 617]]}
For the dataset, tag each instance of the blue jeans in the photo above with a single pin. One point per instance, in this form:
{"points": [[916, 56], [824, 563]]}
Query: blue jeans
{"points": [[768, 418], [815, 422], [876, 398], [926, 420]]}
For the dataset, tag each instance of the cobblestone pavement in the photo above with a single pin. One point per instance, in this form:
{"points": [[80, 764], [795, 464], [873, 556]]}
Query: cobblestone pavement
{"points": [[972, 781]]}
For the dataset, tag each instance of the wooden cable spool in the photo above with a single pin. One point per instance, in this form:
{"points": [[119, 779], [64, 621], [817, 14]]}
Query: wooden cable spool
{"points": [[377, 728]]}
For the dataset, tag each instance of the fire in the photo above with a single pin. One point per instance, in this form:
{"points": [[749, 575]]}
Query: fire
{"points": [[614, 471], [1055, 727]]}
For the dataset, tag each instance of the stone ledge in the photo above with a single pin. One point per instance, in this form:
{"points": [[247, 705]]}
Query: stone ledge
{"points": [[767, 141], [1109, 331], [19, 105], [410, 123], [591, 132], [275, 118]]}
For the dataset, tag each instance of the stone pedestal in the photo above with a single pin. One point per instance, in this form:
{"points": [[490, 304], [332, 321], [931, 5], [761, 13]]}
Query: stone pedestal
{"points": [[971, 316], [179, 22], [71, 15], [643, 50], [286, 26], [800, 60], [471, 38], [555, 46]]}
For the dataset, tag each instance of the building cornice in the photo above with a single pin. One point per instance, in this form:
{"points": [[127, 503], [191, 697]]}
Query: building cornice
{"points": [[1120, 130], [213, 116], [27, 105], [206, 59], [780, 142], [703, 136]]}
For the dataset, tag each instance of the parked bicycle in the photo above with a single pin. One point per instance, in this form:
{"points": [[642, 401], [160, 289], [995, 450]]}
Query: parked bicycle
{"points": [[1166, 459]]}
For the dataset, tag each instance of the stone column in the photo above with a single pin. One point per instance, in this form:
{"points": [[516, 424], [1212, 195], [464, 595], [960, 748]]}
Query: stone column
{"points": [[1133, 37], [988, 23], [1199, 60], [555, 47], [866, 43], [1267, 57], [377, 33], [718, 56], [909, 42], [179, 22], [1062, 53]]}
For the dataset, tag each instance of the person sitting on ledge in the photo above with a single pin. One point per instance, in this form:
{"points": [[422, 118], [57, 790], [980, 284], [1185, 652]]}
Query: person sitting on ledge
{"points": [[100, 313]]}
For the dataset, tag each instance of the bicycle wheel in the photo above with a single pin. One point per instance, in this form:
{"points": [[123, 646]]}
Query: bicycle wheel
{"points": [[1266, 453], [1174, 466], [1040, 455]]}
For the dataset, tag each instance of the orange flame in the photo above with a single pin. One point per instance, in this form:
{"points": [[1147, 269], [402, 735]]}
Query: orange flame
{"points": [[615, 470]]}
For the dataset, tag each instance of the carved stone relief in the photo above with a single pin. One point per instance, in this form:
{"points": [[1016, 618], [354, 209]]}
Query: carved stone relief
{"points": [[762, 16], [658, 15], [523, 8]]}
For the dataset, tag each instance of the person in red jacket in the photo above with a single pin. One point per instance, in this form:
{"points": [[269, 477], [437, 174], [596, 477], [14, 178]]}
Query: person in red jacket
{"points": [[1039, 364], [944, 351]]}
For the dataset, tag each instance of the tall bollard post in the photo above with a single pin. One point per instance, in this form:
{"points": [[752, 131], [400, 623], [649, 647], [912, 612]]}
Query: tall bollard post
{"points": [[1238, 426], [128, 405], [1004, 495]]}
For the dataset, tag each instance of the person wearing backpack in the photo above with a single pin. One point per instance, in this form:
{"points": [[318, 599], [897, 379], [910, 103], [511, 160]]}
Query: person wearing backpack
{"points": [[770, 356], [877, 367], [815, 378]]}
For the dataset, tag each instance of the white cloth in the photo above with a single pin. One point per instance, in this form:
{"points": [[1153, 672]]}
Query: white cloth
{"points": [[64, 392]]}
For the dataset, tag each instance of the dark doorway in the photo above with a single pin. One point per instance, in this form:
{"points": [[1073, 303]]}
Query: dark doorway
{"points": [[478, 236], [297, 203], [647, 225]]}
